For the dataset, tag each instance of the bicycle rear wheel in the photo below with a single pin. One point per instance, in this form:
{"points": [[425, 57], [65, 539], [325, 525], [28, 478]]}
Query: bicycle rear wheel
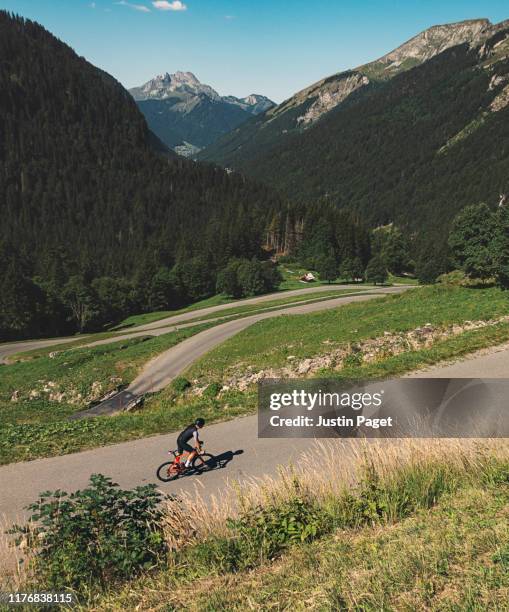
{"points": [[204, 463], [168, 471]]}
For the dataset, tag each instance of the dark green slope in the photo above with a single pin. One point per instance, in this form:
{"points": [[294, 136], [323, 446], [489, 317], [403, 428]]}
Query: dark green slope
{"points": [[84, 192], [392, 152], [201, 126], [79, 170]]}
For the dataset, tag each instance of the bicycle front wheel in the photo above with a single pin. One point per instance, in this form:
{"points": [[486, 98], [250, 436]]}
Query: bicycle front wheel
{"points": [[168, 471], [204, 463]]}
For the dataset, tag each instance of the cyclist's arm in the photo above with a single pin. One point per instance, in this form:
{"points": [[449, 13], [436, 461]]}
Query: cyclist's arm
{"points": [[197, 441]]}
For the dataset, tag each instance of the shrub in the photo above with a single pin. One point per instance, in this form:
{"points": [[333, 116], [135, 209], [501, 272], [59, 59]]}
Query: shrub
{"points": [[370, 505], [94, 537], [260, 534], [212, 390], [180, 384], [455, 278], [264, 532]]}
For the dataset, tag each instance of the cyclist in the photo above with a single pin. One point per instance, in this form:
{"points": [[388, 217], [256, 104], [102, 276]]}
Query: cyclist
{"points": [[190, 433]]}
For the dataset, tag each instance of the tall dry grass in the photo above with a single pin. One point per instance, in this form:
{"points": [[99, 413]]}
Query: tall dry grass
{"points": [[333, 470], [14, 560]]}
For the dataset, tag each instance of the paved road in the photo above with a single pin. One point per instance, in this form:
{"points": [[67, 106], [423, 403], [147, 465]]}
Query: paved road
{"points": [[193, 314], [18, 347], [133, 463], [173, 326], [159, 372], [164, 325]]}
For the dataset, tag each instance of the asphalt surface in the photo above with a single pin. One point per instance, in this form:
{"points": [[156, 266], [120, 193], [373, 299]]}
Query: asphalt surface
{"points": [[159, 372], [193, 314], [12, 348], [162, 326], [134, 463]]}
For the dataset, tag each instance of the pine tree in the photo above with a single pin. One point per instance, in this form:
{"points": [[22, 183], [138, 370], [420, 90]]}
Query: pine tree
{"points": [[376, 272], [327, 268]]}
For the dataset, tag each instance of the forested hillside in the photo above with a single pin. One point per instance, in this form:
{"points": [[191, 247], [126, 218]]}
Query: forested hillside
{"points": [[412, 150], [91, 209]]}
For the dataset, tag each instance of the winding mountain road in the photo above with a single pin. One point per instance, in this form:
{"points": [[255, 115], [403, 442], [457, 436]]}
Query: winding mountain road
{"points": [[163, 326], [134, 462], [159, 372]]}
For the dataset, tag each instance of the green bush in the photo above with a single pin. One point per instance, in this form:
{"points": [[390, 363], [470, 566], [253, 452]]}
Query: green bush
{"points": [[353, 359], [456, 278], [212, 390], [94, 537], [370, 505], [260, 534], [180, 384]]}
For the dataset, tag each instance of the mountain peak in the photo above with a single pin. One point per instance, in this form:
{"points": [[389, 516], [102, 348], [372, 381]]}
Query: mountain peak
{"points": [[168, 85], [186, 86], [333, 90], [188, 115]]}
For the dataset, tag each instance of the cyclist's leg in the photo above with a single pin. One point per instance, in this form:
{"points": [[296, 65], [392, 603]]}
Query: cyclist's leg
{"points": [[180, 453], [191, 453]]}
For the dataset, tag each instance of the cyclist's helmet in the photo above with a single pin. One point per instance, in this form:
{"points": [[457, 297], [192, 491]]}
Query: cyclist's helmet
{"points": [[199, 422]]}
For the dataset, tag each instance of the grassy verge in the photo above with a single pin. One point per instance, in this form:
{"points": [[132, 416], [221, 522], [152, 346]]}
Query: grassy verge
{"points": [[390, 525], [451, 557], [311, 296], [45, 351], [269, 343], [402, 280], [150, 317]]}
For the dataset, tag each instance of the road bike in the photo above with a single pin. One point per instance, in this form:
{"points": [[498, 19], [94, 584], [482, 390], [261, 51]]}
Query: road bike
{"points": [[171, 470]]}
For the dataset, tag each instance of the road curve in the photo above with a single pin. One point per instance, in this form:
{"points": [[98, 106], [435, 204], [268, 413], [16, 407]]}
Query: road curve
{"points": [[268, 297], [159, 372], [11, 348], [134, 463]]}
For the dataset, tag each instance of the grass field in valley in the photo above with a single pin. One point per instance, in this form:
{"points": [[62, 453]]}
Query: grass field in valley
{"points": [[38, 426]]}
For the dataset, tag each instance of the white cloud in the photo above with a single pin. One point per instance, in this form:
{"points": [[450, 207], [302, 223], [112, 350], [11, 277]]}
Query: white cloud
{"points": [[137, 7], [229, 17], [92, 5], [165, 5]]}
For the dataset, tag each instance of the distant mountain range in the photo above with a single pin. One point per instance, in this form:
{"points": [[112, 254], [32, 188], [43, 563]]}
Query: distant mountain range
{"points": [[188, 115], [410, 138]]}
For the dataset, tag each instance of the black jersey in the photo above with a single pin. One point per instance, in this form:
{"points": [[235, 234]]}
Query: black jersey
{"points": [[188, 433]]}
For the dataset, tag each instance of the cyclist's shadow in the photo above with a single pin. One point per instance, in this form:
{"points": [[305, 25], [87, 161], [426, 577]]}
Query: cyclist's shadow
{"points": [[222, 460]]}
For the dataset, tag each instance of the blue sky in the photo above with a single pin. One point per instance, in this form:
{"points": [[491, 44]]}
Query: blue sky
{"points": [[272, 47]]}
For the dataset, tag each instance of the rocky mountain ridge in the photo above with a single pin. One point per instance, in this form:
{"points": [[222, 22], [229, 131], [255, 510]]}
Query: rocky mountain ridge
{"points": [[188, 115], [326, 94], [409, 139]]}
